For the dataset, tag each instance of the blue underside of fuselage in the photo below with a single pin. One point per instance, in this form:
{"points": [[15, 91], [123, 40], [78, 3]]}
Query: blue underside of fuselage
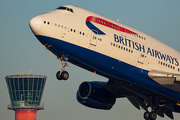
{"points": [[110, 67]]}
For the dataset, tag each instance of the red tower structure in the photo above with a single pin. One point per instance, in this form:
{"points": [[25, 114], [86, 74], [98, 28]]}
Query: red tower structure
{"points": [[25, 93]]}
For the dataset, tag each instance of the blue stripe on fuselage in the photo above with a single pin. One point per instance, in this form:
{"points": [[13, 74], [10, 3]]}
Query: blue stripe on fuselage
{"points": [[104, 64]]}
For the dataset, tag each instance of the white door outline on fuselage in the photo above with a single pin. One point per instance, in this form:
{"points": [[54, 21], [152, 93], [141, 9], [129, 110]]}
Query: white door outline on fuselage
{"points": [[141, 58], [94, 37]]}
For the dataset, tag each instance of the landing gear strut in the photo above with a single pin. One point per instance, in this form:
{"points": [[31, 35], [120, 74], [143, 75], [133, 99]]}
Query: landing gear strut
{"points": [[62, 75]]}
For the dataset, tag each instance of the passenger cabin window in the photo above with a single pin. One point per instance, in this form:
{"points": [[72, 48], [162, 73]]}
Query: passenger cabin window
{"points": [[65, 8]]}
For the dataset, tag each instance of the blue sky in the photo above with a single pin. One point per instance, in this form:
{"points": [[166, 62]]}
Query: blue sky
{"points": [[21, 52]]}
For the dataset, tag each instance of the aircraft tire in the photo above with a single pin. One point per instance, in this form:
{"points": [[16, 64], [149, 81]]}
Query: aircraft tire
{"points": [[64, 75], [146, 115], [153, 115], [58, 76]]}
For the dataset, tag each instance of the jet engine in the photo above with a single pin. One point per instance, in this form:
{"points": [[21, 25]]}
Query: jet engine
{"points": [[92, 95]]}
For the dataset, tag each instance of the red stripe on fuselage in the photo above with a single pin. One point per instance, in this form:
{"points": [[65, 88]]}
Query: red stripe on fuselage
{"points": [[109, 24]]}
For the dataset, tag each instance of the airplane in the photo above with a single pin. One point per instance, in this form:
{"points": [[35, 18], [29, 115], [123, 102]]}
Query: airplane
{"points": [[138, 67]]}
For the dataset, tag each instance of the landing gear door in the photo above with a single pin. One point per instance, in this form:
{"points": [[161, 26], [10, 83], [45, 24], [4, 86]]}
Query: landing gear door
{"points": [[94, 37]]}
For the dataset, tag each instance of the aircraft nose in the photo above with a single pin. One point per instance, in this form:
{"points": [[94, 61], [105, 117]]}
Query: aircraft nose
{"points": [[35, 23]]}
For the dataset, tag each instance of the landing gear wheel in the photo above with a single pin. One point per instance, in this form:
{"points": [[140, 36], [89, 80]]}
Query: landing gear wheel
{"points": [[146, 115], [58, 75], [153, 116], [64, 75]]}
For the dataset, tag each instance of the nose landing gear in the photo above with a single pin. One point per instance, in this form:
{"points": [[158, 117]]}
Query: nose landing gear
{"points": [[62, 75]]}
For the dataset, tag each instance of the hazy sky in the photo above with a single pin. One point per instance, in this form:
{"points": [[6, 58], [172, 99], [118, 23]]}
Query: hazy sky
{"points": [[21, 52]]}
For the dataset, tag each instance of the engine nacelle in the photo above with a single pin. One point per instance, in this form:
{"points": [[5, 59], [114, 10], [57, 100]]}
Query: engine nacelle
{"points": [[92, 95]]}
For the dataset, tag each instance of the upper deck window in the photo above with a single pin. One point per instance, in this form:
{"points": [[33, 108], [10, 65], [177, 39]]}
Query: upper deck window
{"points": [[65, 8]]}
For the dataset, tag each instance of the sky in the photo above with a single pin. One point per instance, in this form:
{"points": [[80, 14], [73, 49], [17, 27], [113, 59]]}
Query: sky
{"points": [[21, 52]]}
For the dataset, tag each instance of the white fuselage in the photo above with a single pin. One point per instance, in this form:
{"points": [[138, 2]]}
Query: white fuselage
{"points": [[136, 48], [138, 66]]}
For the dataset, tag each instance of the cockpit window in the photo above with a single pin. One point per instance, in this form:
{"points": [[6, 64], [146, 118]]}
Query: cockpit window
{"points": [[65, 8], [62, 8], [71, 10]]}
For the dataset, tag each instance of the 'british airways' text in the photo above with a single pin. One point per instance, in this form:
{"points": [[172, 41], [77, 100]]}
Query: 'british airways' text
{"points": [[140, 47]]}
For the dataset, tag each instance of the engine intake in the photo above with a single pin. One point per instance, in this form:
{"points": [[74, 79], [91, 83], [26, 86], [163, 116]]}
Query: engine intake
{"points": [[92, 95]]}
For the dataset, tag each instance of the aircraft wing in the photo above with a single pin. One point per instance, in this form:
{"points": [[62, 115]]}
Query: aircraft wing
{"points": [[168, 80], [89, 95]]}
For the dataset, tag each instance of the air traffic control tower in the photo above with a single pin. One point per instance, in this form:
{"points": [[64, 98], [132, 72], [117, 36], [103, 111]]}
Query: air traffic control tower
{"points": [[25, 93]]}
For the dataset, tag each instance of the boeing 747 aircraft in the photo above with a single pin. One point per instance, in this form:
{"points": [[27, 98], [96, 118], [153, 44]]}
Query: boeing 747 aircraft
{"points": [[138, 66]]}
